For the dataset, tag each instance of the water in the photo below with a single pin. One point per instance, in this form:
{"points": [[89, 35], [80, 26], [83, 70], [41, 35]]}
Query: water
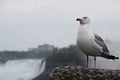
{"points": [[21, 69]]}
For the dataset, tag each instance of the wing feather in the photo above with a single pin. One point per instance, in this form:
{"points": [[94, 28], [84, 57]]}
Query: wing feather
{"points": [[101, 43]]}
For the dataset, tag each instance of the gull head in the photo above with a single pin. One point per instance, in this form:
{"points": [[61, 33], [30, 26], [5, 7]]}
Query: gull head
{"points": [[83, 20]]}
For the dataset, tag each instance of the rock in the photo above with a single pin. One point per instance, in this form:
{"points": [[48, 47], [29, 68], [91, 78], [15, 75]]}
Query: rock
{"points": [[80, 73]]}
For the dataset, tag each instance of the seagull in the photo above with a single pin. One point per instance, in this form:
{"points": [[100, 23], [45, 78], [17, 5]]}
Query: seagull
{"points": [[91, 44]]}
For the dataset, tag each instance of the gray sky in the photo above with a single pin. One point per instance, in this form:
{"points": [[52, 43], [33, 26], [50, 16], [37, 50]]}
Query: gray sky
{"points": [[28, 23]]}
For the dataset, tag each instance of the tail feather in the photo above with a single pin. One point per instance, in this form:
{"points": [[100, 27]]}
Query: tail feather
{"points": [[113, 57], [110, 57]]}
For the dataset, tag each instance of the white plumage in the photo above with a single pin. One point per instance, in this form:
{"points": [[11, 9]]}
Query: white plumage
{"points": [[91, 44]]}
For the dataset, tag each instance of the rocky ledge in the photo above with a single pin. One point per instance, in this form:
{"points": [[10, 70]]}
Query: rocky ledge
{"points": [[80, 73]]}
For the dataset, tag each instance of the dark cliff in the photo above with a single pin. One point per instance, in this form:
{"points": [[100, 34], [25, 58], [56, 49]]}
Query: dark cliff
{"points": [[70, 56]]}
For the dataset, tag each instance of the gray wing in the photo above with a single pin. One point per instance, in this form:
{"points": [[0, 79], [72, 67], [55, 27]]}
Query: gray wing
{"points": [[101, 43]]}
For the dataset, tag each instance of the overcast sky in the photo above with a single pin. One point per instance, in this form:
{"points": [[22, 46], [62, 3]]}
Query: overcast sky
{"points": [[28, 23]]}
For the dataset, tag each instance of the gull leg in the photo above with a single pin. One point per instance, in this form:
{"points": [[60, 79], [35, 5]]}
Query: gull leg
{"points": [[87, 60], [94, 62]]}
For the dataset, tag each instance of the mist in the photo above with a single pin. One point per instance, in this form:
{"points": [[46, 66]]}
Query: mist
{"points": [[27, 23], [21, 69]]}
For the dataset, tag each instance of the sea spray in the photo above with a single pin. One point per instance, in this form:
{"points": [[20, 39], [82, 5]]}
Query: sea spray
{"points": [[21, 69]]}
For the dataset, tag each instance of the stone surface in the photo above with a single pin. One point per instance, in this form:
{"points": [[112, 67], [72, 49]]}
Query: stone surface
{"points": [[80, 73]]}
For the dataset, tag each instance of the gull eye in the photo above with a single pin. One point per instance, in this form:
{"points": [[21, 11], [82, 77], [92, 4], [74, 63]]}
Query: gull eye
{"points": [[85, 17]]}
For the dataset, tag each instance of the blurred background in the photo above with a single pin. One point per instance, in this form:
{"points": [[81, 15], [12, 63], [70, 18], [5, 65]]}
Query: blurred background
{"points": [[38, 35]]}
